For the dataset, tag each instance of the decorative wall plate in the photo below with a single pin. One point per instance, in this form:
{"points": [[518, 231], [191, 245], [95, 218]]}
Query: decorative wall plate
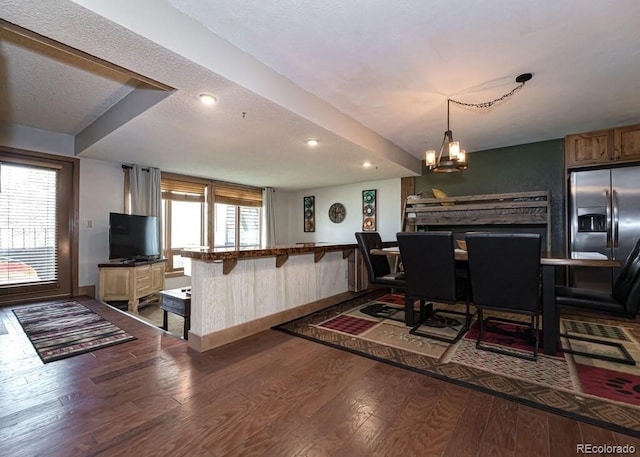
{"points": [[369, 196], [337, 213], [368, 223]]}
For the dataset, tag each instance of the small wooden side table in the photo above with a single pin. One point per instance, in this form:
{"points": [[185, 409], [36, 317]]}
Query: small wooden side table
{"points": [[177, 301]]}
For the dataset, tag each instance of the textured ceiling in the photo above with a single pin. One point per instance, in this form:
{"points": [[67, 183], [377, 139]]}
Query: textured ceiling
{"points": [[392, 65], [32, 74], [369, 78]]}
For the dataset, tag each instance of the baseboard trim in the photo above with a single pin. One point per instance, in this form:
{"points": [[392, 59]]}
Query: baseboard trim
{"points": [[89, 291], [237, 332]]}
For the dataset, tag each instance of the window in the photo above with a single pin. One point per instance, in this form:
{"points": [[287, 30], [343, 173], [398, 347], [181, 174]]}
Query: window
{"points": [[249, 226], [225, 223], [236, 226], [191, 218], [36, 217], [237, 215], [27, 225], [184, 219]]}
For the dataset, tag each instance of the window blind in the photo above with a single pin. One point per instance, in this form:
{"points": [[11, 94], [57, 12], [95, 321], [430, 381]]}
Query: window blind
{"points": [[234, 194], [175, 189], [28, 234]]}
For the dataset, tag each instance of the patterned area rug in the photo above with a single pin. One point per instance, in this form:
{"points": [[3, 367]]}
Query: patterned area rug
{"points": [[602, 393], [62, 330]]}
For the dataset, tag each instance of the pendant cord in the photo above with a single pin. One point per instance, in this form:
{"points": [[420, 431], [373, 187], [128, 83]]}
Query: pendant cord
{"points": [[484, 104]]}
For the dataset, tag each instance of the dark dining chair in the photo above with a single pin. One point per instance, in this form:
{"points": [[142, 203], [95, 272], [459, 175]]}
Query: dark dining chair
{"points": [[505, 276], [430, 274], [623, 301], [381, 275], [378, 266]]}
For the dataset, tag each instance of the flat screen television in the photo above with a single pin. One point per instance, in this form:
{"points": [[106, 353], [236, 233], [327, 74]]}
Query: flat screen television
{"points": [[133, 237]]}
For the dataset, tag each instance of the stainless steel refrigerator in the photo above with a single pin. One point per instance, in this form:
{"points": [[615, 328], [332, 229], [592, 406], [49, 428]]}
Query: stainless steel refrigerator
{"points": [[604, 208]]}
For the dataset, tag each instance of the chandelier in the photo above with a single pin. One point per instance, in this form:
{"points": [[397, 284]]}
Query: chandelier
{"points": [[453, 158]]}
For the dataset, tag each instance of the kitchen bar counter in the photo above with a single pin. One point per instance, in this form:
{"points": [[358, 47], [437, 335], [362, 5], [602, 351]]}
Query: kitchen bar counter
{"points": [[230, 256], [235, 293]]}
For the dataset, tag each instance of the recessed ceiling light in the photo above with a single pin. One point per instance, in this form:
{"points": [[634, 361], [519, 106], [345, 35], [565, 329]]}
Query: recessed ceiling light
{"points": [[312, 142], [367, 164], [208, 99]]}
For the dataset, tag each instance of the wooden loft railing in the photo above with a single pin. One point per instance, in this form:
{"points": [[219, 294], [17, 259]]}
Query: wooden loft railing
{"points": [[516, 208]]}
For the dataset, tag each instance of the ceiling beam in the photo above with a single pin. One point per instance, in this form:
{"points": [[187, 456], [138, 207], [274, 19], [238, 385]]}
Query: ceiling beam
{"points": [[135, 103], [81, 54]]}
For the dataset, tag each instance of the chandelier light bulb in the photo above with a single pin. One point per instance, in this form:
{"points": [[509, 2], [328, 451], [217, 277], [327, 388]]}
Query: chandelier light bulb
{"points": [[454, 150], [430, 157]]}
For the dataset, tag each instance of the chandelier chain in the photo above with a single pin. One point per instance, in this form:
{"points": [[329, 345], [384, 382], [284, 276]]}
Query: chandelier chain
{"points": [[455, 160], [492, 102]]}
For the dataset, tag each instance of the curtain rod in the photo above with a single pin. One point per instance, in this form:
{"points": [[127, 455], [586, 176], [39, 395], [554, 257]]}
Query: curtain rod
{"points": [[212, 181], [129, 167]]}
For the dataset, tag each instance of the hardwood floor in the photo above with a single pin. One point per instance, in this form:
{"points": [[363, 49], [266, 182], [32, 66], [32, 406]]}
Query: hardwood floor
{"points": [[268, 395]]}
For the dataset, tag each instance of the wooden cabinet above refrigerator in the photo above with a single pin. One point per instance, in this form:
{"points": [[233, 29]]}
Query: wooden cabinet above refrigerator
{"points": [[603, 147]]}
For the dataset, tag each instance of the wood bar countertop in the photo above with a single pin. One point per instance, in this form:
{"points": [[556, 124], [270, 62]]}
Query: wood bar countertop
{"points": [[230, 256]]}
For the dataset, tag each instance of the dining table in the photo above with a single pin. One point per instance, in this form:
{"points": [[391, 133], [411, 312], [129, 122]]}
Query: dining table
{"points": [[548, 263]]}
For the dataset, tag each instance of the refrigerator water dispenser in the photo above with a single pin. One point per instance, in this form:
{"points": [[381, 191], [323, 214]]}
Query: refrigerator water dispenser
{"points": [[592, 222]]}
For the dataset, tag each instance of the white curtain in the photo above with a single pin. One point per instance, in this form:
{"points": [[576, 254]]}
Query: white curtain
{"points": [[146, 194], [268, 218]]}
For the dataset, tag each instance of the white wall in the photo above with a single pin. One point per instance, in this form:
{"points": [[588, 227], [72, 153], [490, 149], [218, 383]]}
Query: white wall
{"points": [[289, 208], [101, 192]]}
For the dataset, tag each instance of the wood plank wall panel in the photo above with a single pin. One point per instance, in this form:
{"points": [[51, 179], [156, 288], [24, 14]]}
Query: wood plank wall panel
{"points": [[407, 187]]}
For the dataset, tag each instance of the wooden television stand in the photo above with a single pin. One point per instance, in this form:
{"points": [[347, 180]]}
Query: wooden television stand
{"points": [[130, 281]]}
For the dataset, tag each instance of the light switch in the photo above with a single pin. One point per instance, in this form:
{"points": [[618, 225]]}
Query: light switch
{"points": [[88, 223]]}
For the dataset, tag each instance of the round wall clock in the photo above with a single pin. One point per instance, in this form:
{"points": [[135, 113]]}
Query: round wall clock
{"points": [[337, 213]]}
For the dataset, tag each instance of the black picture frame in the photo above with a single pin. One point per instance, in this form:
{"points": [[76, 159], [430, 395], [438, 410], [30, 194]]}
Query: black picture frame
{"points": [[309, 213], [369, 210]]}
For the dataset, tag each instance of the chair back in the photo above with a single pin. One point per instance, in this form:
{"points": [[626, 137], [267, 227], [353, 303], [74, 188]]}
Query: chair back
{"points": [[377, 265], [626, 288], [505, 270], [429, 265]]}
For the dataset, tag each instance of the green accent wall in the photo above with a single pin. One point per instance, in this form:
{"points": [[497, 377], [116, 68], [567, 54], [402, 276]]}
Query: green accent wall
{"points": [[521, 168]]}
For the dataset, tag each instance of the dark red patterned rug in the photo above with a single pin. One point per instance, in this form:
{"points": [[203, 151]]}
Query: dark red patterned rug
{"points": [[62, 330], [614, 385], [348, 324], [506, 335]]}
